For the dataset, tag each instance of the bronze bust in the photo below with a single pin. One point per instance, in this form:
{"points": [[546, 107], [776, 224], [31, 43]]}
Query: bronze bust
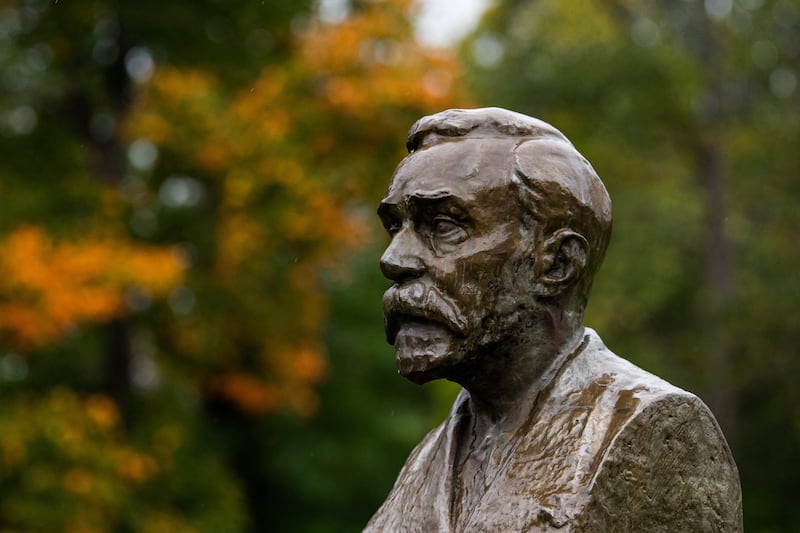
{"points": [[498, 226]]}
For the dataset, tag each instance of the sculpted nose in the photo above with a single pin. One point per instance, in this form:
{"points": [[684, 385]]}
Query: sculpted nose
{"points": [[400, 262]]}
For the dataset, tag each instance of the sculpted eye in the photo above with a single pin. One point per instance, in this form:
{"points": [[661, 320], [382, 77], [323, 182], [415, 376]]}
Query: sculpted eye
{"points": [[447, 229], [392, 227]]}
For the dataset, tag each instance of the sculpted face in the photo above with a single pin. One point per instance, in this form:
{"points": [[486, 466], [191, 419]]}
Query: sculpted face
{"points": [[457, 255]]}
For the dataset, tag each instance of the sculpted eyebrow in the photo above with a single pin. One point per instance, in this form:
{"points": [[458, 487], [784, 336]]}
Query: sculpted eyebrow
{"points": [[452, 204], [418, 203]]}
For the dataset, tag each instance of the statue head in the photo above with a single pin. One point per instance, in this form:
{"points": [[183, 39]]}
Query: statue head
{"points": [[498, 226]]}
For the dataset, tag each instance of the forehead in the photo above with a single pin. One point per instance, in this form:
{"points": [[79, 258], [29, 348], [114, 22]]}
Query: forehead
{"points": [[463, 168]]}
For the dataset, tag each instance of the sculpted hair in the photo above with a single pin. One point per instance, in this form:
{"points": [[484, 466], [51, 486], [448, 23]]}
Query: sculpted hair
{"points": [[558, 187]]}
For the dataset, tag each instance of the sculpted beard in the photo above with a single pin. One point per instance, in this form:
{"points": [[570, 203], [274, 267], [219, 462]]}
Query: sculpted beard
{"points": [[424, 326], [434, 338], [417, 301]]}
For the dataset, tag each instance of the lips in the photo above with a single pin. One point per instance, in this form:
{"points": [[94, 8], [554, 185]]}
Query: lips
{"points": [[415, 302]]}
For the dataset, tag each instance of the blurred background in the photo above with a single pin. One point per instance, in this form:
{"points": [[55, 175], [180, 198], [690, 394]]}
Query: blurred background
{"points": [[190, 327]]}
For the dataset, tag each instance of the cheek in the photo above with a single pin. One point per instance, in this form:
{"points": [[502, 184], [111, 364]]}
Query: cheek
{"points": [[475, 277]]}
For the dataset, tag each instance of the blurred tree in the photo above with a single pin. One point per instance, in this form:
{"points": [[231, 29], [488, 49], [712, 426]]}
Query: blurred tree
{"points": [[186, 184], [287, 159], [689, 112]]}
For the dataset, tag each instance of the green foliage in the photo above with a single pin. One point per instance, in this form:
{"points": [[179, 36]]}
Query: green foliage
{"points": [[343, 462], [185, 185], [68, 465], [190, 337]]}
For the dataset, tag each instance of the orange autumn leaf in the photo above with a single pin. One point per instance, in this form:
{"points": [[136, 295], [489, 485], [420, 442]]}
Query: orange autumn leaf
{"points": [[308, 364], [295, 157], [296, 370], [246, 392], [49, 287], [136, 467], [102, 411], [78, 481]]}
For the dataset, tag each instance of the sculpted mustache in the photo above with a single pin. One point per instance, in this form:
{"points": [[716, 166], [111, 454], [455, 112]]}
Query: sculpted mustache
{"points": [[417, 300]]}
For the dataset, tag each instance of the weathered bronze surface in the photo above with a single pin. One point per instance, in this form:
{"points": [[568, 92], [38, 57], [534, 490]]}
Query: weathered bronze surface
{"points": [[498, 226]]}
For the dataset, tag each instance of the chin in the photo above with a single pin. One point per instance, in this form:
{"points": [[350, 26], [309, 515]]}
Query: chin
{"points": [[424, 367], [426, 351], [455, 367]]}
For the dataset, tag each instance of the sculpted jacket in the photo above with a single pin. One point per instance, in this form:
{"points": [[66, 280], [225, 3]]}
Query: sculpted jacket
{"points": [[607, 447]]}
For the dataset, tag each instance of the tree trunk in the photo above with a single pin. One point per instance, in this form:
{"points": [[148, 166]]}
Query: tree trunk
{"points": [[719, 289]]}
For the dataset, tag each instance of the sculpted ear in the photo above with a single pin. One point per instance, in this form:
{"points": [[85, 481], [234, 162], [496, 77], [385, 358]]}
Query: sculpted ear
{"points": [[562, 261]]}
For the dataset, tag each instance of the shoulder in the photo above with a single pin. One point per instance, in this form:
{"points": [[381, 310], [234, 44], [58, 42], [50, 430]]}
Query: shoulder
{"points": [[617, 389], [666, 467], [597, 364]]}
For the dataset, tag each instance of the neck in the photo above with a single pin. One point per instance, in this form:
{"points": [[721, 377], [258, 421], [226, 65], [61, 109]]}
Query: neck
{"points": [[505, 383]]}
